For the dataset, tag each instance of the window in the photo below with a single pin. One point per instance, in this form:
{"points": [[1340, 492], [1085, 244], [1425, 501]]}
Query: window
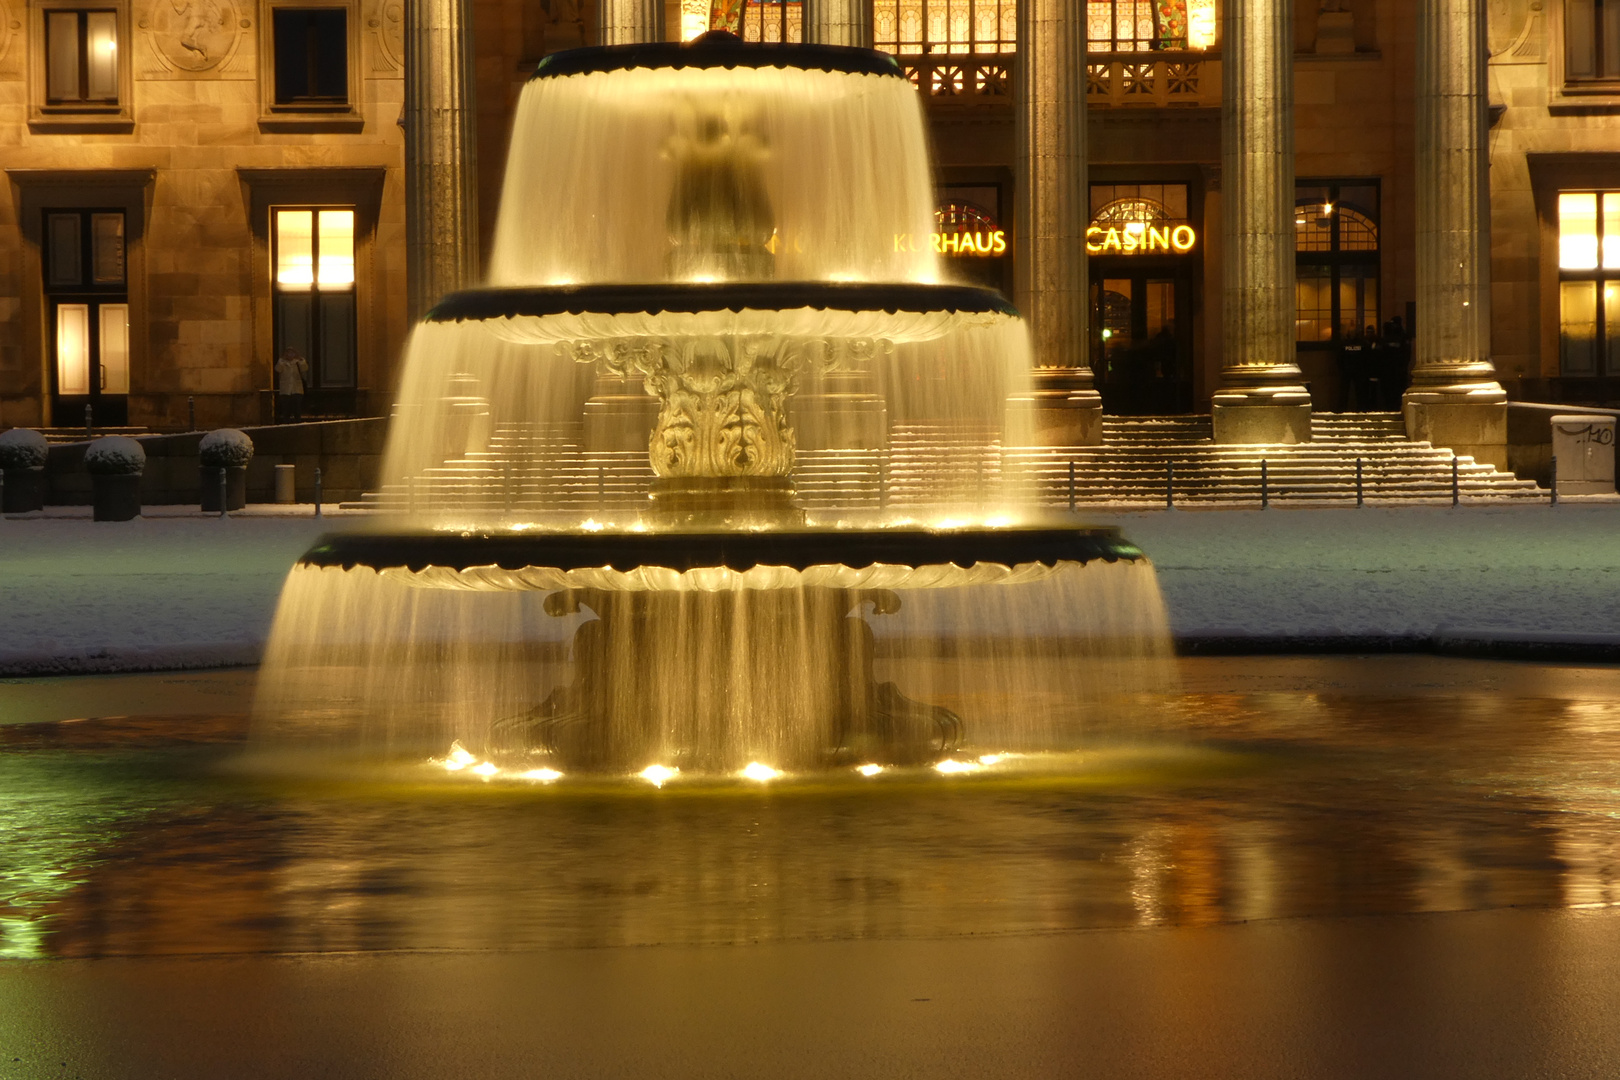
{"points": [[88, 301], [909, 27], [1591, 41], [769, 21], [312, 256], [81, 58], [1125, 26], [1336, 245], [1589, 285], [311, 58]]}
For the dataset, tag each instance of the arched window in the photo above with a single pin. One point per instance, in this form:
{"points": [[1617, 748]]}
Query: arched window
{"points": [[1336, 245], [1126, 26], [958, 216]]}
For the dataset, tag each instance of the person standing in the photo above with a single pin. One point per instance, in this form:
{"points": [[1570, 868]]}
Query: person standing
{"points": [[292, 373]]}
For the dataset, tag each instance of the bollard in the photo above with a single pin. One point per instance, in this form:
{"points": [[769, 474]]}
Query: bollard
{"points": [[1265, 486], [318, 491], [1071, 487], [1360, 502], [1169, 485], [286, 484], [191, 413], [223, 494], [89, 422], [1456, 484], [1555, 480]]}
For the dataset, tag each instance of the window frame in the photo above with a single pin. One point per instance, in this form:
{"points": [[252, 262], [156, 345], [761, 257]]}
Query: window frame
{"points": [[1600, 275], [1336, 258], [45, 116], [1565, 93], [974, 46], [343, 118], [315, 290]]}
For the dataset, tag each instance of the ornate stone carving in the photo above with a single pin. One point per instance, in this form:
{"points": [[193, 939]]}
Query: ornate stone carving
{"points": [[193, 35], [723, 400]]}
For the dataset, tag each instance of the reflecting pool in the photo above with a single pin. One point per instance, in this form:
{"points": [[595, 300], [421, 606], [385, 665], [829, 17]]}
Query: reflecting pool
{"points": [[1268, 788]]}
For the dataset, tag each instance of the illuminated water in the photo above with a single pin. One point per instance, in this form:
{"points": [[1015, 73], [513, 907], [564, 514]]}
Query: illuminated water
{"points": [[1302, 788], [711, 285]]}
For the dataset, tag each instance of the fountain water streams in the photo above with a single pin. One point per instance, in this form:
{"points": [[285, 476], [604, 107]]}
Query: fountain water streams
{"points": [[711, 274]]}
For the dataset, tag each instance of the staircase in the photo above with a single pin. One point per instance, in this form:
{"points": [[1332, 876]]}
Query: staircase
{"points": [[1143, 461], [1134, 466]]}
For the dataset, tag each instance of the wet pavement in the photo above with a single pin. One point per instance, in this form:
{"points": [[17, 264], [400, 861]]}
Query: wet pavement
{"points": [[1309, 866]]}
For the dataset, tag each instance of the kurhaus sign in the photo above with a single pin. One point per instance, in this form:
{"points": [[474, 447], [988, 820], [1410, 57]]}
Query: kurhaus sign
{"points": [[983, 243], [1137, 238]]}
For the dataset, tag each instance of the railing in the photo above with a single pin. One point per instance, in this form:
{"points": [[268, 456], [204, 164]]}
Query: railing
{"points": [[1151, 80]]}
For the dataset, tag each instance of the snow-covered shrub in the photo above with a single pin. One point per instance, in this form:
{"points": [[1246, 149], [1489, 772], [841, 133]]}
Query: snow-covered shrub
{"points": [[224, 448], [114, 455], [23, 448]]}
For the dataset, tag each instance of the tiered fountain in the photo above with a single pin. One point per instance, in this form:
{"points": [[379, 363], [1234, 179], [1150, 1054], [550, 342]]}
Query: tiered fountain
{"points": [[712, 259]]}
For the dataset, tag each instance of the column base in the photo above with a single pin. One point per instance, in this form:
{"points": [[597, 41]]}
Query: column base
{"points": [[1061, 409], [1475, 428], [1260, 417]]}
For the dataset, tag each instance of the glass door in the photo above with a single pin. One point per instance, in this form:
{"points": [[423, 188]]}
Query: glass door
{"points": [[1141, 344], [88, 316]]}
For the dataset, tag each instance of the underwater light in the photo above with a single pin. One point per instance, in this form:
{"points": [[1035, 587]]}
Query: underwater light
{"points": [[459, 758], [485, 769], [760, 772], [869, 770], [657, 775], [950, 766], [544, 776]]}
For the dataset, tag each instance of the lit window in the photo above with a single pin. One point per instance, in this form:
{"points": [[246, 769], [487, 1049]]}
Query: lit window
{"points": [[85, 287], [312, 252], [768, 21], [1589, 269], [1124, 26], [81, 59], [311, 58], [1591, 40], [910, 27], [1337, 262]]}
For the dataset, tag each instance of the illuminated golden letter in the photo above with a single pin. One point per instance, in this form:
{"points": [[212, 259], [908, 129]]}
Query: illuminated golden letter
{"points": [[1111, 242], [1094, 248], [1183, 238], [1159, 239]]}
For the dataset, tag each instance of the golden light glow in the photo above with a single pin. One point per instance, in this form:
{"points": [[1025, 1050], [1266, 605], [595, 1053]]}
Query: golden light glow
{"points": [[337, 248], [544, 776], [1140, 238], [458, 759], [694, 18], [869, 770], [658, 775], [1200, 24], [1577, 231], [295, 249], [73, 348], [486, 769], [989, 759], [759, 772], [952, 767]]}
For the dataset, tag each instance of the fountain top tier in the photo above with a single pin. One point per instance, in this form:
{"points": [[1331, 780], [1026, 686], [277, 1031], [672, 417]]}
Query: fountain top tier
{"points": [[716, 161]]}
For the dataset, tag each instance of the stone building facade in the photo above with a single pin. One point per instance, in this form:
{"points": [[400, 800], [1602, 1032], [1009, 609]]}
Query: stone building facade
{"points": [[168, 220]]}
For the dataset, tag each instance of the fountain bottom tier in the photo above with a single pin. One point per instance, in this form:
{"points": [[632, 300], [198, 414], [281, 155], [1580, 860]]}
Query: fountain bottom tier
{"points": [[711, 651]]}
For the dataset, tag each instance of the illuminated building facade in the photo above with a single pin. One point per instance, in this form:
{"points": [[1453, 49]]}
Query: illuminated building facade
{"points": [[193, 187]]}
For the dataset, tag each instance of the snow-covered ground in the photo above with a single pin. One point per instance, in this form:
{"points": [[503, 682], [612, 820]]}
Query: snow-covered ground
{"points": [[171, 592]]}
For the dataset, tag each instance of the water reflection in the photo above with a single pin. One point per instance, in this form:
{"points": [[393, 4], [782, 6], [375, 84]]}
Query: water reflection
{"points": [[126, 837]]}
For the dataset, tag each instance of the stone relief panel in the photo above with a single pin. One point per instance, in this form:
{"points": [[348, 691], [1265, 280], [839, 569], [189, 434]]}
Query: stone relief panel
{"points": [[386, 22], [10, 31], [194, 37], [1516, 31]]}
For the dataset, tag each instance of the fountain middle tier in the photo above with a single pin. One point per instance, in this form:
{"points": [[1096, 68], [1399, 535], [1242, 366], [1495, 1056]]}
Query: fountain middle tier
{"points": [[720, 387]]}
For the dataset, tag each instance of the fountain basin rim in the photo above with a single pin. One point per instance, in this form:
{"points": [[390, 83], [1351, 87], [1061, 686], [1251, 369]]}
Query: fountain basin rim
{"points": [[682, 551], [717, 51], [539, 301]]}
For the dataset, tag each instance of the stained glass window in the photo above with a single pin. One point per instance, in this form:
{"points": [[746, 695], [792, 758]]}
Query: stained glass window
{"points": [[769, 21], [910, 27]]}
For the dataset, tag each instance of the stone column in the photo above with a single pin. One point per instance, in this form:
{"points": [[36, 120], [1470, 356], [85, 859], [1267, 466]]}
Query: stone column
{"points": [[839, 22], [1455, 400], [1053, 210], [629, 22], [441, 153], [1262, 398]]}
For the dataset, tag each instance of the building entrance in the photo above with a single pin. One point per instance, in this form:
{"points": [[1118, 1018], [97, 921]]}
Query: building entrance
{"points": [[1141, 337]]}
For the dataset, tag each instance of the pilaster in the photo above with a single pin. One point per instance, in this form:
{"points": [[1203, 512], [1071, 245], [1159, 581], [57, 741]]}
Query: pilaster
{"points": [[441, 153], [1262, 398], [839, 22], [1455, 400], [628, 22], [1053, 209]]}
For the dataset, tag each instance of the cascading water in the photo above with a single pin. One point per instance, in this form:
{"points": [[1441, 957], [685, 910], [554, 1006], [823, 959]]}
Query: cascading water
{"points": [[656, 507]]}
